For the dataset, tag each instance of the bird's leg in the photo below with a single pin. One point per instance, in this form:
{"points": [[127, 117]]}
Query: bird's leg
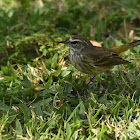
{"points": [[106, 82], [92, 79], [107, 79], [84, 90]]}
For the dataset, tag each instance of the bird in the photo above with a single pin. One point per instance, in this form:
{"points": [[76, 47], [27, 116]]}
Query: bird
{"points": [[94, 60]]}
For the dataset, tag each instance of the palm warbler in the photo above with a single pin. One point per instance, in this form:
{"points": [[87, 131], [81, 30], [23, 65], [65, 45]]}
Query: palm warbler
{"points": [[94, 60]]}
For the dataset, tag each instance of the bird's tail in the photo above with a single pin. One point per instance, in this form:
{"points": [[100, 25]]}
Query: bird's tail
{"points": [[121, 49], [135, 43]]}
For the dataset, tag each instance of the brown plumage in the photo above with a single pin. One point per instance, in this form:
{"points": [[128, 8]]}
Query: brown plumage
{"points": [[93, 59]]}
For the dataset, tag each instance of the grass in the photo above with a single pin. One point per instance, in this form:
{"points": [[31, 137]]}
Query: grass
{"points": [[39, 88]]}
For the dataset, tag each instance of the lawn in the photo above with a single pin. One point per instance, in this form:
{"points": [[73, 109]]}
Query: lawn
{"points": [[39, 88]]}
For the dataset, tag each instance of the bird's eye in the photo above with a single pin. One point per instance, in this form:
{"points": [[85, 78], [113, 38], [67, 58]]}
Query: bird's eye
{"points": [[74, 42]]}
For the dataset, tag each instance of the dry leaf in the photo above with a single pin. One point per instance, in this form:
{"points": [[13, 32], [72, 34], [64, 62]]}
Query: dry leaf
{"points": [[95, 43], [131, 35]]}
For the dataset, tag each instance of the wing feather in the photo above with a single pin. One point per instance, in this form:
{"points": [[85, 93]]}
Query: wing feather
{"points": [[103, 57]]}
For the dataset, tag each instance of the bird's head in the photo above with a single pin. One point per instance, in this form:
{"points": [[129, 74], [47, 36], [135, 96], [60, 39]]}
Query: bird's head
{"points": [[77, 42]]}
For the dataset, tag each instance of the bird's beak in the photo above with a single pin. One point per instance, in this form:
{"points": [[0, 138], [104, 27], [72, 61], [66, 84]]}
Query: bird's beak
{"points": [[64, 42]]}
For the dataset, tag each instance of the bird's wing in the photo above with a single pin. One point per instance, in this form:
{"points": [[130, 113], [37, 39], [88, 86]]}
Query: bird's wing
{"points": [[103, 57]]}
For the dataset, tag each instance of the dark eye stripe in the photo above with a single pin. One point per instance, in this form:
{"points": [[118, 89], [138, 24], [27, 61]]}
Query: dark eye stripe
{"points": [[74, 42]]}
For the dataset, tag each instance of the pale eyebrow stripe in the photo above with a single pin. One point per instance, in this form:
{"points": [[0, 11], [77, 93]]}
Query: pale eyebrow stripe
{"points": [[72, 40]]}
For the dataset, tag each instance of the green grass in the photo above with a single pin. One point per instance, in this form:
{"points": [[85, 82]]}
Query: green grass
{"points": [[39, 88]]}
